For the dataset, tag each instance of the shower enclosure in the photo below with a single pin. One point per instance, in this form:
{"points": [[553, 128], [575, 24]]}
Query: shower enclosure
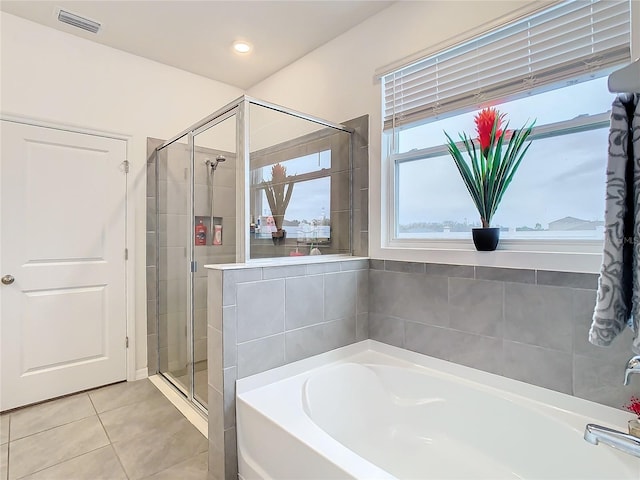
{"points": [[251, 181]]}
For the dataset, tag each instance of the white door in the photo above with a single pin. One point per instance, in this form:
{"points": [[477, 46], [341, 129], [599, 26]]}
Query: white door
{"points": [[62, 241]]}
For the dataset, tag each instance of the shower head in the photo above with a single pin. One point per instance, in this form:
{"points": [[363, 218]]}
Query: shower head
{"points": [[214, 163]]}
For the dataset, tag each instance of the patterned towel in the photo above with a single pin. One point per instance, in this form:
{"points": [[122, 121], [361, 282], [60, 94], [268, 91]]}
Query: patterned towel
{"points": [[618, 300]]}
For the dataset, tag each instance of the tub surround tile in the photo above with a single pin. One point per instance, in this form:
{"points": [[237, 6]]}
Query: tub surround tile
{"points": [[376, 264], [260, 300], [304, 301], [269, 273], [386, 329], [215, 425], [98, 464], [216, 361], [50, 414], [600, 381], [150, 454], [587, 281], [476, 306], [232, 277], [259, 355], [404, 267], [362, 295], [45, 449], [309, 341], [229, 396], [229, 337], [339, 295], [231, 459], [409, 296], [539, 366], [353, 265], [506, 274], [214, 298], [446, 270], [539, 315], [362, 327]]}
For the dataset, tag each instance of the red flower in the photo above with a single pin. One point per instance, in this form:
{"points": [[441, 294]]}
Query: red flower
{"points": [[633, 405], [484, 125]]}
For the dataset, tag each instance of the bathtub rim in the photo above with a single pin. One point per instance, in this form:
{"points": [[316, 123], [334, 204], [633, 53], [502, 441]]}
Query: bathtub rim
{"points": [[610, 416]]}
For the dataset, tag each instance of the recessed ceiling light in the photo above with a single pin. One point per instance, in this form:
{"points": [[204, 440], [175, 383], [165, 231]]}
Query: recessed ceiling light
{"points": [[241, 46]]}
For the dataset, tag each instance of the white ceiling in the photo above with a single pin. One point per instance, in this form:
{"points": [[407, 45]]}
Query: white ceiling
{"points": [[196, 36]]}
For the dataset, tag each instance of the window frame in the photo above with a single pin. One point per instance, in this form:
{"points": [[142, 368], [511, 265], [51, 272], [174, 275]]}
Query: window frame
{"points": [[583, 256]]}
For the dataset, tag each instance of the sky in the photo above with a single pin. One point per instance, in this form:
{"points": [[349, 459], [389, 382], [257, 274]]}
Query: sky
{"points": [[559, 176]]}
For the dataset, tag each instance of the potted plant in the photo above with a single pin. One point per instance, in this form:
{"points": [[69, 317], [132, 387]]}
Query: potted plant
{"points": [[278, 191], [490, 169]]}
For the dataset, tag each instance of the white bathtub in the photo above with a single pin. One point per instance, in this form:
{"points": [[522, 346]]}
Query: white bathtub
{"points": [[370, 410]]}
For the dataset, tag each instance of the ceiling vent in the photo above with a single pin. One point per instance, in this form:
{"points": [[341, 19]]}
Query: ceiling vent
{"points": [[78, 21]]}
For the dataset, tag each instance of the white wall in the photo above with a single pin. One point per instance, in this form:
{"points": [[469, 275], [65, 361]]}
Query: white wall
{"points": [[336, 82], [56, 77]]}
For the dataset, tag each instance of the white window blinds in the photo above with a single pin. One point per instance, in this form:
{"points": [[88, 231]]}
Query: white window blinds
{"points": [[571, 40]]}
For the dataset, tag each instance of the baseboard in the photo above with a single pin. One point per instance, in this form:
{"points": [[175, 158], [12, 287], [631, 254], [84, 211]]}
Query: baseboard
{"points": [[142, 373]]}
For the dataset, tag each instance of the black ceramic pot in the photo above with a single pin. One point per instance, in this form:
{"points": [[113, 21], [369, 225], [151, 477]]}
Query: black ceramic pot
{"points": [[279, 237], [486, 239]]}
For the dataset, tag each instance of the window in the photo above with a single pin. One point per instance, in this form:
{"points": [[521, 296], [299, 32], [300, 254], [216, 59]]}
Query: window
{"points": [[551, 66]]}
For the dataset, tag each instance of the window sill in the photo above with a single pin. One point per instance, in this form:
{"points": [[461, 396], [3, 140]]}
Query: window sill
{"points": [[580, 257]]}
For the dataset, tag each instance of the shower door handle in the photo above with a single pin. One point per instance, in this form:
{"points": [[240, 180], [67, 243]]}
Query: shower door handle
{"points": [[8, 279]]}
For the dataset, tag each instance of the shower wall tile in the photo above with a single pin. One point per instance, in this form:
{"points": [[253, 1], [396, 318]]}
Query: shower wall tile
{"points": [[269, 273]]}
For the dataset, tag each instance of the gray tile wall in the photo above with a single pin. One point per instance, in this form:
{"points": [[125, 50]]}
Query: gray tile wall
{"points": [[530, 325], [262, 318]]}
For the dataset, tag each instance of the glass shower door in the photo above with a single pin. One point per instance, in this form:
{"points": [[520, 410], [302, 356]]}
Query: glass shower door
{"points": [[174, 261]]}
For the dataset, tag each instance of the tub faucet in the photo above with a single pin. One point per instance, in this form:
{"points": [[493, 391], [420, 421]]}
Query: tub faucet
{"points": [[633, 367], [620, 440]]}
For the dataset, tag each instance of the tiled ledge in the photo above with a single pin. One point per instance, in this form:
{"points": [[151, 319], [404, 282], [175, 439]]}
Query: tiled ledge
{"points": [[287, 261], [511, 275]]}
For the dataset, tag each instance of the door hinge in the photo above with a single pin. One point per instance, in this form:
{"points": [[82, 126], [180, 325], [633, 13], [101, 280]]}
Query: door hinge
{"points": [[126, 342], [125, 166], [126, 254]]}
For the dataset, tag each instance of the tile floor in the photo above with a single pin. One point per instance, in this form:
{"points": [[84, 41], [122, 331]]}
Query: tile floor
{"points": [[123, 431]]}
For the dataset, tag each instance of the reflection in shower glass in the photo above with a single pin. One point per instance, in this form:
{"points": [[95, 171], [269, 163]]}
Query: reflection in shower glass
{"points": [[300, 186]]}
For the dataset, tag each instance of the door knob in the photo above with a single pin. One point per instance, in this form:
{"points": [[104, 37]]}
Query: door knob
{"points": [[7, 279]]}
